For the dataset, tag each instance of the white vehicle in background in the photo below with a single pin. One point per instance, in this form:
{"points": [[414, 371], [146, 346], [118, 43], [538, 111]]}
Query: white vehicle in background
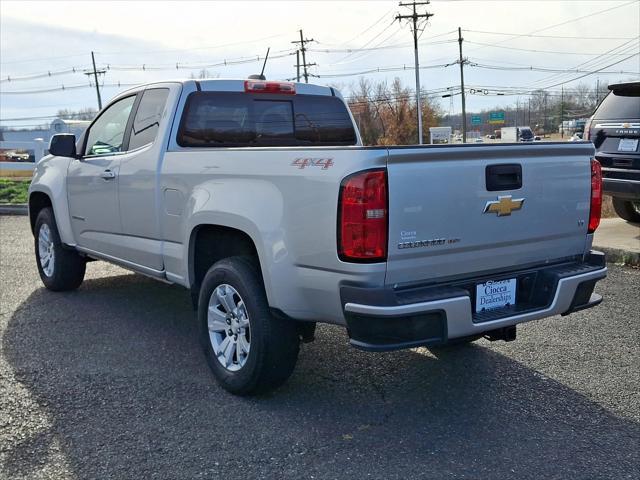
{"points": [[576, 137], [509, 134], [440, 134]]}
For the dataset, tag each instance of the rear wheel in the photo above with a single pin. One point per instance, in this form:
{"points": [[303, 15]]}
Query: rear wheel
{"points": [[60, 268], [627, 209], [249, 350]]}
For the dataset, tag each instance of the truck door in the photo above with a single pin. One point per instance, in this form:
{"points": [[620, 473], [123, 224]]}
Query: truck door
{"points": [[137, 180], [92, 181]]}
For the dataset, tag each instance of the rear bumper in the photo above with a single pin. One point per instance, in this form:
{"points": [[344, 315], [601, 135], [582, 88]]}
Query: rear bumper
{"points": [[628, 189], [388, 319]]}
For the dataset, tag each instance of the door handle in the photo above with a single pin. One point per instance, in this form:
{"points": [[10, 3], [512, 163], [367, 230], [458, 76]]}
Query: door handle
{"points": [[108, 175]]}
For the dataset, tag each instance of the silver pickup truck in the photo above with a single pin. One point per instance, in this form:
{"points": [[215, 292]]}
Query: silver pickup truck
{"points": [[259, 197]]}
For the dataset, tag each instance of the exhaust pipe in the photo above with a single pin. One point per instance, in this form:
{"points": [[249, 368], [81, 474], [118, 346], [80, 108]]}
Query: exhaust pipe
{"points": [[508, 334]]}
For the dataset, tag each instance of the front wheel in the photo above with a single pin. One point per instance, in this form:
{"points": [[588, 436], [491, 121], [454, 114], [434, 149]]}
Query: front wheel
{"points": [[248, 350], [629, 210], [60, 268]]}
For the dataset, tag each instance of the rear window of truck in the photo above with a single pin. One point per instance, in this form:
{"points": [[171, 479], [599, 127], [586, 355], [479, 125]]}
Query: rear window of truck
{"points": [[235, 119]]}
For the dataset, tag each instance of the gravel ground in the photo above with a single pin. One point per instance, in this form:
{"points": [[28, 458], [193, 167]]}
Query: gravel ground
{"points": [[109, 382]]}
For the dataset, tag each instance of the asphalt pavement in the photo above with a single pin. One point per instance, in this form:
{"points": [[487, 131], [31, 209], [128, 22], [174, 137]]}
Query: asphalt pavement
{"points": [[109, 382]]}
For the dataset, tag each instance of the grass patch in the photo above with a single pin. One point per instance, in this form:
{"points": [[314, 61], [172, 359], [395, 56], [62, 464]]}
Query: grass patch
{"points": [[14, 190]]}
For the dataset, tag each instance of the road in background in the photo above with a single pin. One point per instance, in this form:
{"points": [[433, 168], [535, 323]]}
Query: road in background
{"points": [[109, 381]]}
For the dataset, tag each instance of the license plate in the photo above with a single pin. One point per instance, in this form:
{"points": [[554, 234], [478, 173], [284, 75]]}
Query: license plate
{"points": [[495, 294], [628, 145]]}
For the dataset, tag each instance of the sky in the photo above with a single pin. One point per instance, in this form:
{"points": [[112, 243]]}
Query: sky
{"points": [[138, 42]]}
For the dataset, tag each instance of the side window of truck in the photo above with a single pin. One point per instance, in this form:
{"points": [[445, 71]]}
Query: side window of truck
{"points": [[147, 120], [106, 135]]}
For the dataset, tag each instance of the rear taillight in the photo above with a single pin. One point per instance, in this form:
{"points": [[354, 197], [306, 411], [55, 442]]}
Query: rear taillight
{"points": [[596, 196], [262, 86], [362, 217]]}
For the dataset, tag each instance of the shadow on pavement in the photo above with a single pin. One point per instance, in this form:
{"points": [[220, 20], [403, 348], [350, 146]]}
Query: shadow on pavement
{"points": [[117, 368]]}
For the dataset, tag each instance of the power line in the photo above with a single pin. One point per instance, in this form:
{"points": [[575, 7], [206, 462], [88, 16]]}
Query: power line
{"points": [[368, 49], [65, 87], [546, 36], [591, 73], [20, 119], [182, 66], [369, 42], [149, 67], [381, 69], [47, 74], [534, 50], [551, 70], [384, 69], [594, 62], [370, 26], [396, 68], [549, 27]]}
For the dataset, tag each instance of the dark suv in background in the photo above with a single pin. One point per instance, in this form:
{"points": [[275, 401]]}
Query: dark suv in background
{"points": [[614, 129]]}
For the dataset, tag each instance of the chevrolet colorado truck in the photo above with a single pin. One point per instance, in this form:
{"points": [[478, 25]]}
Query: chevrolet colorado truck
{"points": [[259, 197]]}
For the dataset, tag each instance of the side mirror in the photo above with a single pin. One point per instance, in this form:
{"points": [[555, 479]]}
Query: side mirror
{"points": [[63, 145]]}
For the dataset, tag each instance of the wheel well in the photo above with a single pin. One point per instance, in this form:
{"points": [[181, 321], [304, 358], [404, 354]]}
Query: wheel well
{"points": [[37, 201], [211, 243]]}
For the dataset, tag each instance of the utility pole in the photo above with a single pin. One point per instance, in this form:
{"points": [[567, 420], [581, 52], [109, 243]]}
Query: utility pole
{"points": [[464, 108], [597, 91], [414, 17], [562, 113], [529, 112], [545, 114], [297, 65], [302, 41], [95, 77]]}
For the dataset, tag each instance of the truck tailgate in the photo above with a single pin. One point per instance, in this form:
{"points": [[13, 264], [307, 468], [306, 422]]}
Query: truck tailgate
{"points": [[446, 217]]}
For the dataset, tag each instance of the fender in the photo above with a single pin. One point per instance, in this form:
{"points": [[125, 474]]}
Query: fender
{"points": [[50, 178], [252, 206]]}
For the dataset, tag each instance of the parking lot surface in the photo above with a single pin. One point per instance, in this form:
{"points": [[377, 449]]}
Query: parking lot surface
{"points": [[109, 382]]}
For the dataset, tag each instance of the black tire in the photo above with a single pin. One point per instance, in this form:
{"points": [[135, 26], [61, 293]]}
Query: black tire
{"points": [[274, 342], [629, 210], [68, 266]]}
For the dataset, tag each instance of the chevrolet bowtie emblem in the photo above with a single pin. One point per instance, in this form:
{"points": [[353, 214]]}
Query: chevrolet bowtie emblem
{"points": [[504, 205]]}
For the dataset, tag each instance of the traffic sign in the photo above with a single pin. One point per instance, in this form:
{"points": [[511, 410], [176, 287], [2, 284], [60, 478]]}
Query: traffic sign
{"points": [[496, 117], [476, 119]]}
